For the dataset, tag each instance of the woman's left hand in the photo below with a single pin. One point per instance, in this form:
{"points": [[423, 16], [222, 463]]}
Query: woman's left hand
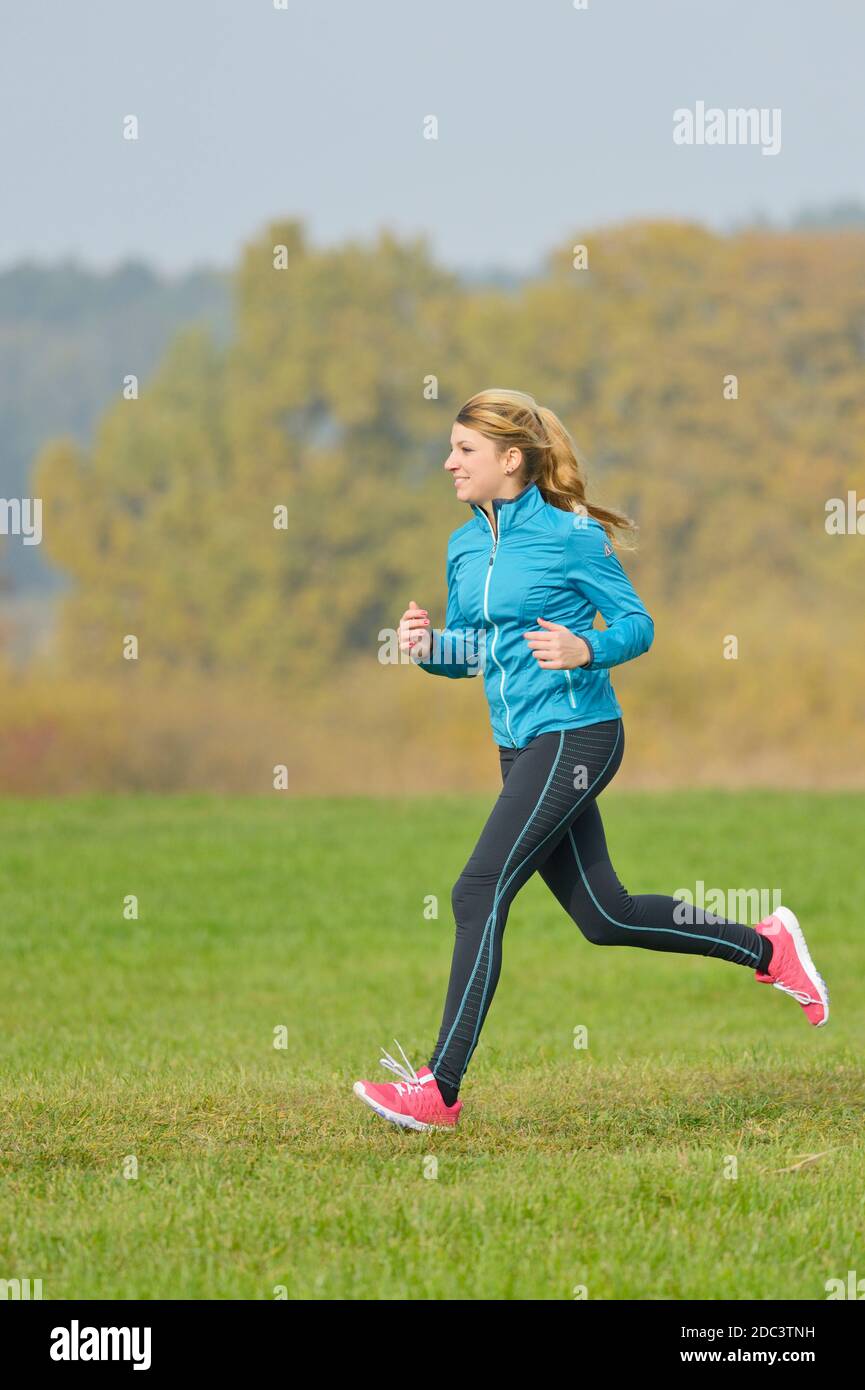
{"points": [[557, 648]]}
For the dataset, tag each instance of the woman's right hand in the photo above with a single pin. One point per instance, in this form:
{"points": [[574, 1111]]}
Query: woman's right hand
{"points": [[414, 633]]}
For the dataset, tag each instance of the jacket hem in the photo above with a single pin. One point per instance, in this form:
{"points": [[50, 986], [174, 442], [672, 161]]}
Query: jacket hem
{"points": [[557, 724]]}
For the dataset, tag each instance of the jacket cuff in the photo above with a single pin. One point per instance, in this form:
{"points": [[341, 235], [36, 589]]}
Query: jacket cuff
{"points": [[589, 638]]}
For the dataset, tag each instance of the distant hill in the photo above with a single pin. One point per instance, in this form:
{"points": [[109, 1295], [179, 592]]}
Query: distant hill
{"points": [[845, 214]]}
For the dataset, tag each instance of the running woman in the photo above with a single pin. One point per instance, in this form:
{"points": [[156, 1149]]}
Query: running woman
{"points": [[535, 551]]}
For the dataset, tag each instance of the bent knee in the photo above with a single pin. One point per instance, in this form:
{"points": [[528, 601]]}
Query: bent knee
{"points": [[473, 897], [459, 897], [466, 899], [605, 930], [599, 932]]}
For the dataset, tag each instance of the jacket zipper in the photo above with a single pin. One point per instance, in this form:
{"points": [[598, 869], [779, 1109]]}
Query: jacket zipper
{"points": [[495, 539], [570, 690]]}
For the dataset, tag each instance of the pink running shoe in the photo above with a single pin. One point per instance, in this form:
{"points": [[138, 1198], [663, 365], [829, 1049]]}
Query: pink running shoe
{"points": [[414, 1102], [791, 967]]}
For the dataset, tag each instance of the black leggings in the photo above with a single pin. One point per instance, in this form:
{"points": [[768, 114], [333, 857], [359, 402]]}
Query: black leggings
{"points": [[547, 818]]}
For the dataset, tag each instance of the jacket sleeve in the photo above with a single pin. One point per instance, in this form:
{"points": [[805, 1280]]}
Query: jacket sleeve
{"points": [[594, 570], [457, 650]]}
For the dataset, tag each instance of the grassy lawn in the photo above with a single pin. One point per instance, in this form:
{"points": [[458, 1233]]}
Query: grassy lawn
{"points": [[147, 1047]]}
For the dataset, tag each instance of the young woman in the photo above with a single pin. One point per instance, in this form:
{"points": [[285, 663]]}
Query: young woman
{"points": [[535, 551]]}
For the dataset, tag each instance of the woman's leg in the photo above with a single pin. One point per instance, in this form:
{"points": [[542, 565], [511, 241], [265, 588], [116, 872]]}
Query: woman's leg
{"points": [[547, 785], [580, 874]]}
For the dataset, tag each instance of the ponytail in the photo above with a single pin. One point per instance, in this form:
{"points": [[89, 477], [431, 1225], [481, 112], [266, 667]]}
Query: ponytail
{"points": [[511, 419]]}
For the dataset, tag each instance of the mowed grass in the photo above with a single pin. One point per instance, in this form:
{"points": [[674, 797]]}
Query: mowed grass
{"points": [[148, 1046]]}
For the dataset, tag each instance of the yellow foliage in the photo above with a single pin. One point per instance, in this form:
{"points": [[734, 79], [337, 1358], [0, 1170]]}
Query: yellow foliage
{"points": [[322, 406]]}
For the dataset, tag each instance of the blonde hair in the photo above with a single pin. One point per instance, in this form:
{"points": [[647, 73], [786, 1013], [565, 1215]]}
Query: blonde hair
{"points": [[513, 420]]}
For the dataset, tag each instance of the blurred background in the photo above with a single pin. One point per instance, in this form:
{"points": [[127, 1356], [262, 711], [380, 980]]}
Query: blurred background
{"points": [[253, 258]]}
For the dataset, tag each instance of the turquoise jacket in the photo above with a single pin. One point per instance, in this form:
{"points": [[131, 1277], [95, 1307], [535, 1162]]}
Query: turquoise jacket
{"points": [[544, 563]]}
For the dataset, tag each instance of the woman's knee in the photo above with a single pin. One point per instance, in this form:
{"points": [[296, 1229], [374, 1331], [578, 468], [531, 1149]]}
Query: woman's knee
{"points": [[473, 898], [596, 930], [466, 899], [459, 898], [605, 921]]}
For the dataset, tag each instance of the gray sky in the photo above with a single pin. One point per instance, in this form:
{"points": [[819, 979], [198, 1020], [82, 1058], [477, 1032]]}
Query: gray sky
{"points": [[551, 120]]}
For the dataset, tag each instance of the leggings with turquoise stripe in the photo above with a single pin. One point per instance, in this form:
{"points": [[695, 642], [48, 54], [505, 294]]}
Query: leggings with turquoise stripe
{"points": [[546, 819]]}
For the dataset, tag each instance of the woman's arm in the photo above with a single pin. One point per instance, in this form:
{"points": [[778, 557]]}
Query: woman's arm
{"points": [[456, 650], [593, 568]]}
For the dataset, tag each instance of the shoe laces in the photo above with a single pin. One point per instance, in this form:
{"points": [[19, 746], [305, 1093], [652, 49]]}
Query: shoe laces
{"points": [[801, 995], [410, 1079]]}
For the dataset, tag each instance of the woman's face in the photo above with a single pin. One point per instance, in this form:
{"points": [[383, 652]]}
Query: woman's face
{"points": [[479, 473]]}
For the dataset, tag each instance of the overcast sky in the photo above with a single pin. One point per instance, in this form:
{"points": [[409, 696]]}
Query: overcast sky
{"points": [[550, 119]]}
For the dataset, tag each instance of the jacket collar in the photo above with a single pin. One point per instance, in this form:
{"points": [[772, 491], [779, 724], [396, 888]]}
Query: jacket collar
{"points": [[511, 511]]}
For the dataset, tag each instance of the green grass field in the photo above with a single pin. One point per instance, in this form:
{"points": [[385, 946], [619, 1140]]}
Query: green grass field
{"points": [[153, 1040]]}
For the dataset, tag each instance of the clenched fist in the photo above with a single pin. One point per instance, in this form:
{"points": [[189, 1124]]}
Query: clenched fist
{"points": [[414, 634], [557, 648]]}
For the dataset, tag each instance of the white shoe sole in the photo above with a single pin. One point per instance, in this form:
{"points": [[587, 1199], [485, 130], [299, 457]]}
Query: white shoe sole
{"points": [[791, 922], [404, 1121]]}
